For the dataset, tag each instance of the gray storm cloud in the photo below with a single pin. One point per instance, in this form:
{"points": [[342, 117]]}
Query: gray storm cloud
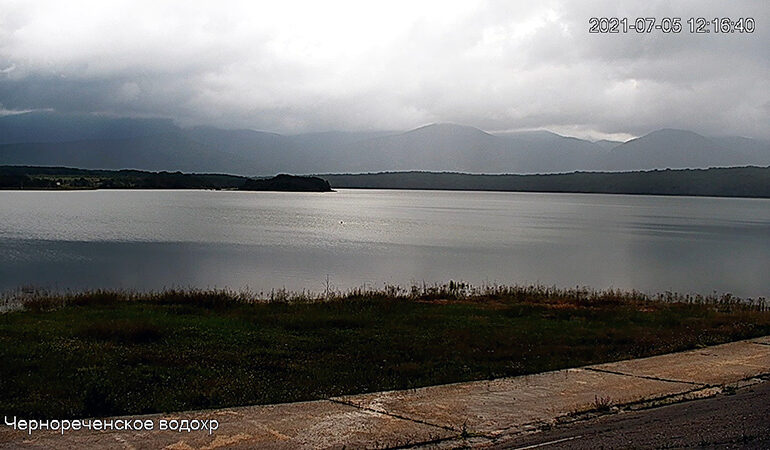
{"points": [[312, 66]]}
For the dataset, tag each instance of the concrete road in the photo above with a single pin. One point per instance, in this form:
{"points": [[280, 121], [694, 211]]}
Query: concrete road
{"points": [[738, 420]]}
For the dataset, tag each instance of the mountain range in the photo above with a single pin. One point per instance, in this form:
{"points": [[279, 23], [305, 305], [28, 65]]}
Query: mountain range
{"points": [[93, 141]]}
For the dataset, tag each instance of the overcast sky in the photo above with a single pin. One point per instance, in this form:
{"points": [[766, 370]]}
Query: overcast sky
{"points": [[295, 66]]}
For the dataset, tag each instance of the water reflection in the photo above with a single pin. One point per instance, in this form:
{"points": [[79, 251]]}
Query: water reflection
{"points": [[155, 239]]}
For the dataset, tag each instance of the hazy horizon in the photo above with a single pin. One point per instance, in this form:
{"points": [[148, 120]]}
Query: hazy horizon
{"points": [[300, 67], [383, 131]]}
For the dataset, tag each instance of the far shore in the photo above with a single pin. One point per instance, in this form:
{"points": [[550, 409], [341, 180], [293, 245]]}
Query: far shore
{"points": [[748, 181]]}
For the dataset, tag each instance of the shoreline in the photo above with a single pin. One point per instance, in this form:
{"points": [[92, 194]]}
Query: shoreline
{"points": [[450, 290], [723, 182]]}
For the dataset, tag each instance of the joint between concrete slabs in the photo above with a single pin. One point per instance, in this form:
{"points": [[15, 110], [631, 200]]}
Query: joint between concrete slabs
{"points": [[580, 416], [645, 377], [396, 416], [761, 343]]}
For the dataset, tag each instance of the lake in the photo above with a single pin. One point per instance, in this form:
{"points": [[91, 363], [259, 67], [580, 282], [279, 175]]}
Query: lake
{"points": [[144, 240]]}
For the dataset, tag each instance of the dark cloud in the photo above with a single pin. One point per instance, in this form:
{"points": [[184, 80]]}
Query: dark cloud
{"points": [[309, 66]]}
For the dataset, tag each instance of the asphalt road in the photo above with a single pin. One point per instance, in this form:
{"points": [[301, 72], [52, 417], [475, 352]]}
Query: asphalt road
{"points": [[736, 421]]}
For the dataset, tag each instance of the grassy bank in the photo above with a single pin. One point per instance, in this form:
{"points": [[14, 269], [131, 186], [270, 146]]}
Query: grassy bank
{"points": [[110, 353]]}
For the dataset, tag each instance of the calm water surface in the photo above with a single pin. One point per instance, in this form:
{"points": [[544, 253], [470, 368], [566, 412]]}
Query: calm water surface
{"points": [[153, 239]]}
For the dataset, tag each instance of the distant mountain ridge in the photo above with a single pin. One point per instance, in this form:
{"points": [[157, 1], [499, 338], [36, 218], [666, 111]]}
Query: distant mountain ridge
{"points": [[51, 127], [98, 142]]}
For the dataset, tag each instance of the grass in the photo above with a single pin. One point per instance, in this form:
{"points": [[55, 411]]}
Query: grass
{"points": [[113, 353]]}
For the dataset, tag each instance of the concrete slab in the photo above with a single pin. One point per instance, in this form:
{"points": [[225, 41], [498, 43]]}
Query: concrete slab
{"points": [[496, 406], [721, 364], [319, 424]]}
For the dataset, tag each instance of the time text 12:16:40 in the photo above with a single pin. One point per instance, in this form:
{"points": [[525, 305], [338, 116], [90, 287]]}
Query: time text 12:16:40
{"points": [[696, 25]]}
